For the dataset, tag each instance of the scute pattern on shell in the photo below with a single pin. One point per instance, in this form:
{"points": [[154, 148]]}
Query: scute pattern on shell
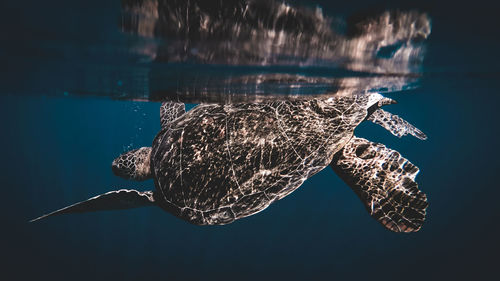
{"points": [[219, 163]]}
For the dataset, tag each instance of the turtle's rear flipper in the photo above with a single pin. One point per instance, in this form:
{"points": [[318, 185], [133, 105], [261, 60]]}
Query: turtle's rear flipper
{"points": [[385, 182], [114, 200], [169, 111], [395, 124]]}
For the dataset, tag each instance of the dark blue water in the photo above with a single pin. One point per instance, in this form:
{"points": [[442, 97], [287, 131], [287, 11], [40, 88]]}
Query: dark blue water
{"points": [[58, 150]]}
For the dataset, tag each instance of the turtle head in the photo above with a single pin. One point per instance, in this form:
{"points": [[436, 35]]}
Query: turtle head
{"points": [[134, 164], [369, 102], [376, 100]]}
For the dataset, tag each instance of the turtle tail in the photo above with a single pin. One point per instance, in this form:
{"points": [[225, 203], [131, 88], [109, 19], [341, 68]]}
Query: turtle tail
{"points": [[113, 200]]}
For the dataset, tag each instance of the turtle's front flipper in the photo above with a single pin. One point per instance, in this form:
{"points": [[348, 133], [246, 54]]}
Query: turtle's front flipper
{"points": [[114, 200], [385, 182], [395, 124], [169, 111]]}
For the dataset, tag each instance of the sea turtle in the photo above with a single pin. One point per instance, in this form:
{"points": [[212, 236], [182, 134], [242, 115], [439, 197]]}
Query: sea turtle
{"points": [[218, 163]]}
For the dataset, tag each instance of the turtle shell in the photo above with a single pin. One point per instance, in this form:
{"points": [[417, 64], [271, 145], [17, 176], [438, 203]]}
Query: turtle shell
{"points": [[219, 163]]}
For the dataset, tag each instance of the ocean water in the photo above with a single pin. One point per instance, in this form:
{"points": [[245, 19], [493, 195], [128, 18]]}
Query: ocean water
{"points": [[80, 87]]}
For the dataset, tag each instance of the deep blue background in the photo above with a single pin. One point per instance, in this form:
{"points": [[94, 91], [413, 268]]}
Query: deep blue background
{"points": [[58, 150]]}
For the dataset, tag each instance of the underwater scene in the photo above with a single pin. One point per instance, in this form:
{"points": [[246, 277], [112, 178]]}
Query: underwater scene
{"points": [[250, 140]]}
